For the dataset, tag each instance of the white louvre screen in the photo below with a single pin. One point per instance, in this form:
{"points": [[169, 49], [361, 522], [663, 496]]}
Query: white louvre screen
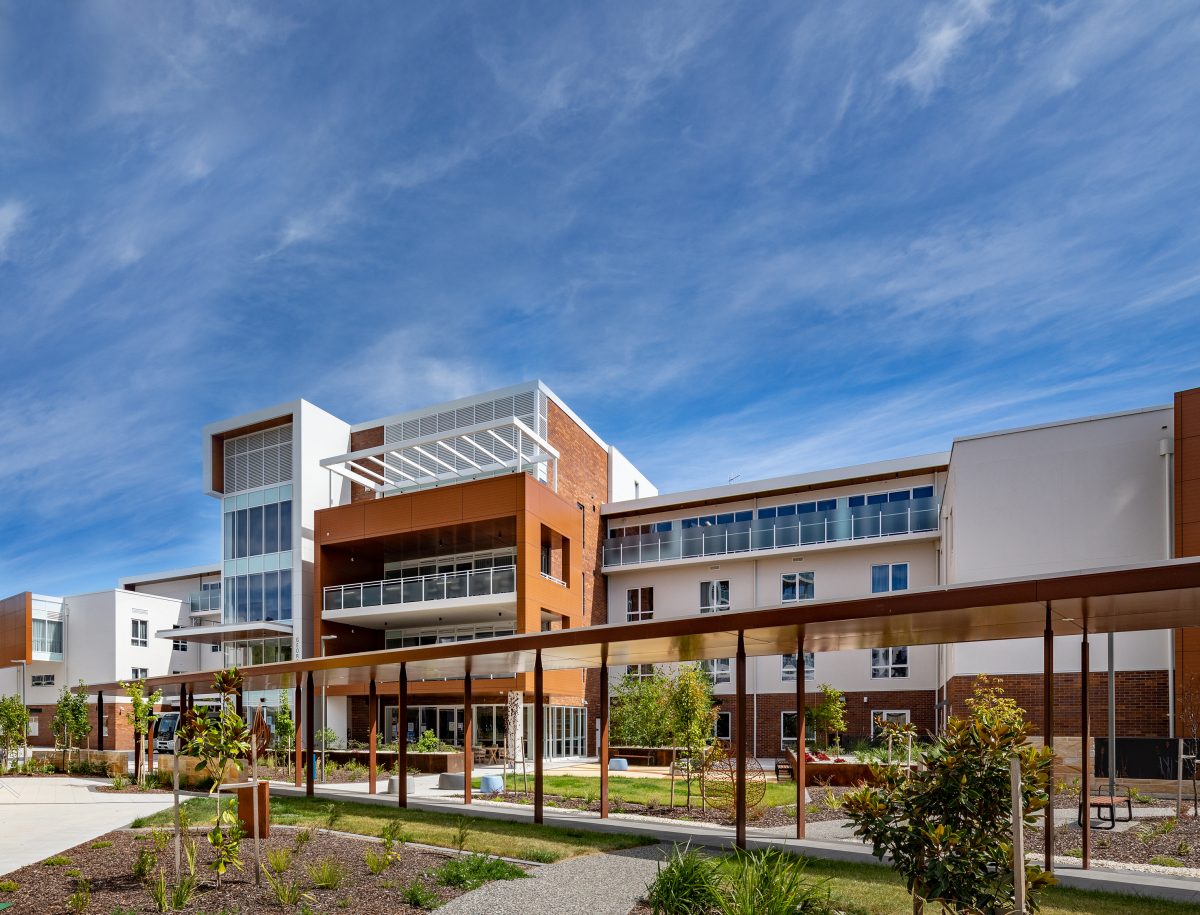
{"points": [[258, 459]]}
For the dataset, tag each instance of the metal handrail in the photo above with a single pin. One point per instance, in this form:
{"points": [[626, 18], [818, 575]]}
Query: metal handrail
{"points": [[769, 534], [439, 586]]}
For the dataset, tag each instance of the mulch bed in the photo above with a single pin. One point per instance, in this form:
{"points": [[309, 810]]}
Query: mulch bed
{"points": [[333, 776], [1136, 845], [45, 889]]}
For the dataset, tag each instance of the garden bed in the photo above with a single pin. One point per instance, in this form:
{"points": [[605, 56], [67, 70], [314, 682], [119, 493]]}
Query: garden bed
{"points": [[106, 863]]}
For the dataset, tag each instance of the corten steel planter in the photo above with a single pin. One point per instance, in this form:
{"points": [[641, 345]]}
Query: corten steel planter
{"points": [[645, 756], [436, 763], [837, 775]]}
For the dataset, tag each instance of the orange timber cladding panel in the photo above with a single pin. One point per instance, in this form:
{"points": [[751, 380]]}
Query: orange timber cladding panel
{"points": [[16, 627], [582, 480], [1187, 536]]}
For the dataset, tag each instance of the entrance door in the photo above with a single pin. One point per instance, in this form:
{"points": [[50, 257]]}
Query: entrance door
{"points": [[450, 725]]}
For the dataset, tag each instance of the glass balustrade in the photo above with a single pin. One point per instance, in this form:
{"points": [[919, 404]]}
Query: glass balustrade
{"points": [[442, 586], [841, 523]]}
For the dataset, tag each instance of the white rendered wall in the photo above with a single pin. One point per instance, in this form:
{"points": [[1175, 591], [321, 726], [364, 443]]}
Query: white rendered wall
{"points": [[1133, 651], [316, 435], [625, 481], [198, 655], [1079, 495]]}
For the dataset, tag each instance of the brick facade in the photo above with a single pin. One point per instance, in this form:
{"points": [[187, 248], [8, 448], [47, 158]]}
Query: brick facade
{"points": [[1142, 701], [367, 438], [120, 727]]}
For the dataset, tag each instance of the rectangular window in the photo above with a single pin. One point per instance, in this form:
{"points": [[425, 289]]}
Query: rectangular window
{"points": [[889, 577], [717, 670], [139, 633], [178, 645], [797, 586], [787, 667], [285, 527], [639, 604], [140, 673], [714, 596], [889, 663], [47, 636], [640, 671], [787, 730], [270, 528], [216, 647], [723, 729], [42, 680], [887, 716]]}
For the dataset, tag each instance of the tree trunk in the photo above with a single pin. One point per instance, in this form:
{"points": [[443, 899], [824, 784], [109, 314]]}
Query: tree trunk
{"points": [[672, 802]]}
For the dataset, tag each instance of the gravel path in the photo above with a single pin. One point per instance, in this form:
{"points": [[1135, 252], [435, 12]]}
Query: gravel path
{"points": [[606, 884]]}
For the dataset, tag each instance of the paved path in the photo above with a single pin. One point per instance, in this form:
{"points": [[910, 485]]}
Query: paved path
{"points": [[607, 884], [40, 817]]}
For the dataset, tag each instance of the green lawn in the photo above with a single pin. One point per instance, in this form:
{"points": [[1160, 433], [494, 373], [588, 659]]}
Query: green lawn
{"points": [[494, 837], [868, 889], [643, 790]]}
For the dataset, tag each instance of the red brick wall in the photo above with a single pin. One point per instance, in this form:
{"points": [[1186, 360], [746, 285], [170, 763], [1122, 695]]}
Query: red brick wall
{"points": [[1142, 701], [120, 727], [858, 713], [367, 438]]}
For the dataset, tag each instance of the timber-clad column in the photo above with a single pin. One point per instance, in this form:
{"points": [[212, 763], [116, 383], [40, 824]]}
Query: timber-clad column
{"points": [[402, 737], [539, 736], [468, 735], [1085, 791], [799, 774], [373, 730], [742, 728], [300, 719], [1048, 730], [603, 749], [309, 735], [99, 719]]}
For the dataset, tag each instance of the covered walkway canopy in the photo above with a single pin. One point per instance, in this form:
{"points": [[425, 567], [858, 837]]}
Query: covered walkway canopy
{"points": [[1161, 595]]}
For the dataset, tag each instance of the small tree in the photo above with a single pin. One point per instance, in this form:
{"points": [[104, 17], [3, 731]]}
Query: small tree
{"points": [[141, 711], [285, 726], [14, 725], [639, 715], [71, 722], [692, 716], [946, 824], [217, 742], [829, 716]]}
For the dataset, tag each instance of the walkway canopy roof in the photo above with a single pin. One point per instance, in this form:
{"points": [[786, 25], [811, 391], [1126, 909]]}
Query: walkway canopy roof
{"points": [[1162, 595]]}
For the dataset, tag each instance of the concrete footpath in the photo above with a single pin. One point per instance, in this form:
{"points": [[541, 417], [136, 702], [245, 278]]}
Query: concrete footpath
{"points": [[40, 817]]}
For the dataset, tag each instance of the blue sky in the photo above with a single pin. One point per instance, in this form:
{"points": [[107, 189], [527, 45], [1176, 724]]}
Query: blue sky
{"points": [[738, 238]]}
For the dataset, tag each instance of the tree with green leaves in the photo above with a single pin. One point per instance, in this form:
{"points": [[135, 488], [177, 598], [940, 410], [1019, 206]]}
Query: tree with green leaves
{"points": [[946, 824], [217, 741], [638, 716], [692, 717], [72, 723], [14, 725], [285, 726], [141, 713], [828, 716]]}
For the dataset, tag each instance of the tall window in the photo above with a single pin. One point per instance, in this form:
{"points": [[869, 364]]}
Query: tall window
{"points": [[714, 596], [787, 667], [889, 663], [889, 577], [797, 586], [140, 633], [723, 728], [717, 669], [639, 604], [787, 730]]}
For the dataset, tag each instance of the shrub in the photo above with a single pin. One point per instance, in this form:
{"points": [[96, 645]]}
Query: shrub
{"points": [[687, 885], [539, 855], [326, 874], [333, 815], [770, 883], [79, 900], [102, 843], [287, 893], [946, 825], [119, 782], [9, 886], [159, 893], [377, 861], [427, 743], [1166, 861], [461, 832], [183, 891], [474, 871], [144, 864], [303, 837], [57, 861], [279, 859], [418, 895]]}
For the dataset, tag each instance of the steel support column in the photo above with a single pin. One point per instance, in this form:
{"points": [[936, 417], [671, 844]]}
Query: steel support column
{"points": [[99, 718], [742, 728], [602, 750], [1048, 730], [372, 731], [298, 726], [539, 736], [402, 737], [468, 737]]}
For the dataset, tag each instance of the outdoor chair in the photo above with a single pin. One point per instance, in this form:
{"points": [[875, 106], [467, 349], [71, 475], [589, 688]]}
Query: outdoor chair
{"points": [[1102, 802], [784, 770]]}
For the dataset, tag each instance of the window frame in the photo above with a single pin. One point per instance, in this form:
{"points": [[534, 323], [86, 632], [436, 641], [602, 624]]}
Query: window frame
{"points": [[707, 602], [139, 673], [797, 579], [642, 612], [891, 664], [716, 673], [810, 667], [876, 712], [892, 568], [46, 680], [727, 717], [139, 633]]}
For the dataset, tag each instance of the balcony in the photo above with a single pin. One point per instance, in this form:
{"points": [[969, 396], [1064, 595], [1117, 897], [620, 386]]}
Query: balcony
{"points": [[837, 523], [205, 604], [378, 603]]}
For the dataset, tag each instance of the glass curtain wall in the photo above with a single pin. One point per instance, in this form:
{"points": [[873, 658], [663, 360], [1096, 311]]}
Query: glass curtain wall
{"points": [[257, 545]]}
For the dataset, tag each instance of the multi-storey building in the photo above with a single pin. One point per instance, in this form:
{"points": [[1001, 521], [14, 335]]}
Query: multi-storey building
{"points": [[505, 513]]}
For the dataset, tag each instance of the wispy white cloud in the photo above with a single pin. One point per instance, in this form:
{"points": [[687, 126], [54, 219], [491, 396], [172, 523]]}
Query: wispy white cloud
{"points": [[12, 213], [944, 33]]}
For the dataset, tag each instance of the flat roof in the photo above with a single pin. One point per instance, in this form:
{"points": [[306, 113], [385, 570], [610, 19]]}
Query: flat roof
{"points": [[1161, 595], [1059, 422], [833, 476], [169, 575]]}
